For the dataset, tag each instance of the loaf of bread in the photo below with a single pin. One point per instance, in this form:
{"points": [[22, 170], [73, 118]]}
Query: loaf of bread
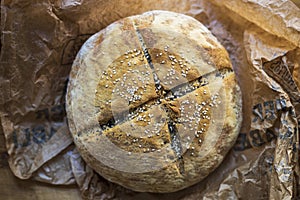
{"points": [[153, 103]]}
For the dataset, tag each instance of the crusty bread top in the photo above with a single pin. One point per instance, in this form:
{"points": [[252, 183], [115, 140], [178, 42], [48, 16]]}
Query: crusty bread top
{"points": [[153, 103]]}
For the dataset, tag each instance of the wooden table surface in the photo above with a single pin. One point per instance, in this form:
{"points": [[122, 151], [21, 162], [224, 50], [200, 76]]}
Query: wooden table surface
{"points": [[12, 188]]}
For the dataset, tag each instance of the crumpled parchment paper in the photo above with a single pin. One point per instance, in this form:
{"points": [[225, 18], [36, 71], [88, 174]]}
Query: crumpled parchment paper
{"points": [[39, 41]]}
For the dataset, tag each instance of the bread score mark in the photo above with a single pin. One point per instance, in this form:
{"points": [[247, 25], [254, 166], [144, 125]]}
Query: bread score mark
{"points": [[174, 135], [175, 139], [158, 86], [175, 93], [165, 96]]}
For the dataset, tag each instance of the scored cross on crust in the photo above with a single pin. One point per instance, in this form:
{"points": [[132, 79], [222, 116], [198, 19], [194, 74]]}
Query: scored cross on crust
{"points": [[153, 103]]}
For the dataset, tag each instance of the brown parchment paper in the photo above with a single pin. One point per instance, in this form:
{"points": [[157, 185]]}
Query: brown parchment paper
{"points": [[40, 40]]}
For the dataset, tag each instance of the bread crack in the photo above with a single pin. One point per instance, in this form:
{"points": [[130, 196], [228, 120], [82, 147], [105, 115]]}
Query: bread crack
{"points": [[172, 115], [158, 86], [176, 92]]}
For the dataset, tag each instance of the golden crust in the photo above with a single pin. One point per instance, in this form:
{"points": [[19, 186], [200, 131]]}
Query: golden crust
{"points": [[199, 99]]}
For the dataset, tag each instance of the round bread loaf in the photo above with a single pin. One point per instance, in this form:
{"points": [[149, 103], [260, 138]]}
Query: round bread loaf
{"points": [[153, 103]]}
